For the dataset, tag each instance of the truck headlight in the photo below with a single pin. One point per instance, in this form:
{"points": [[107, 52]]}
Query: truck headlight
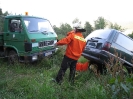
{"points": [[56, 49]]}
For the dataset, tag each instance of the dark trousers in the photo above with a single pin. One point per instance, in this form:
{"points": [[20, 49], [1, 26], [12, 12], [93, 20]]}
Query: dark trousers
{"points": [[67, 62]]}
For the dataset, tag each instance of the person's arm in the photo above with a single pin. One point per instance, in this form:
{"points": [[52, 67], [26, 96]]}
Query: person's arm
{"points": [[84, 48], [65, 40]]}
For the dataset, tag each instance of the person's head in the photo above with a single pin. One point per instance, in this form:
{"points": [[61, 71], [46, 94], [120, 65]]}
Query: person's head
{"points": [[78, 28]]}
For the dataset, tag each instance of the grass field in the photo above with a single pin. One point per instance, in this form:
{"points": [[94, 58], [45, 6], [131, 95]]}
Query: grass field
{"points": [[33, 81]]}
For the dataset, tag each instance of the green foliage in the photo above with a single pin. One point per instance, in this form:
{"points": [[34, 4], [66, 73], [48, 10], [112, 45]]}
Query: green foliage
{"points": [[118, 82], [88, 27], [100, 23], [33, 81], [76, 20], [2, 19], [1, 13], [57, 29], [6, 13], [63, 29], [82, 59], [36, 84], [116, 26], [131, 35]]}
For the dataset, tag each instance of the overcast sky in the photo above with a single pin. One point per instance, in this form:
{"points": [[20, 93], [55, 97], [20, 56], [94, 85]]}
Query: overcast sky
{"points": [[65, 11]]}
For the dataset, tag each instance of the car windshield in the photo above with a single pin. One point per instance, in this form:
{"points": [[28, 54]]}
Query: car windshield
{"points": [[37, 25], [99, 34]]}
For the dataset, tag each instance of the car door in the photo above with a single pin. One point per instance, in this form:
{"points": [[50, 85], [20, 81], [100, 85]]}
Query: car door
{"points": [[124, 47]]}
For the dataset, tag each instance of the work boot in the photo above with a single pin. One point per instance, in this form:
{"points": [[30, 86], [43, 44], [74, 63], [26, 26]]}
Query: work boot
{"points": [[55, 81]]}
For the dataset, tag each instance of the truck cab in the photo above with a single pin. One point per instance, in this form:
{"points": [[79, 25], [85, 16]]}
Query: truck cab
{"points": [[27, 38]]}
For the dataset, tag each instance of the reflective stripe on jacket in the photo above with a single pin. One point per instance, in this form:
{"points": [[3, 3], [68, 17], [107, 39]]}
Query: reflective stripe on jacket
{"points": [[75, 44]]}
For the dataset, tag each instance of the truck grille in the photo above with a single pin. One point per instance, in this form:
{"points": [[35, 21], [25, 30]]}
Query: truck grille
{"points": [[45, 43]]}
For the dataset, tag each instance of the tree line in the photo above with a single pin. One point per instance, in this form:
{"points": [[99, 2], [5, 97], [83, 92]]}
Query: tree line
{"points": [[99, 23], [2, 18]]}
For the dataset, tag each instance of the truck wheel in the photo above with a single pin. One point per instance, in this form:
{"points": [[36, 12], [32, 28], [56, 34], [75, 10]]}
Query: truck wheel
{"points": [[12, 57]]}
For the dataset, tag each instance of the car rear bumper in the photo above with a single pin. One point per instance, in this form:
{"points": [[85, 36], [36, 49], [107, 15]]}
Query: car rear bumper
{"points": [[96, 56], [102, 57]]}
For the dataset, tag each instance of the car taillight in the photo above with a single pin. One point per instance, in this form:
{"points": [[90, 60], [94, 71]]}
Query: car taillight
{"points": [[106, 46]]}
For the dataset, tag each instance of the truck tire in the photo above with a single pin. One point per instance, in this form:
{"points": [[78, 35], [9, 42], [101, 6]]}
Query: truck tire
{"points": [[12, 57]]}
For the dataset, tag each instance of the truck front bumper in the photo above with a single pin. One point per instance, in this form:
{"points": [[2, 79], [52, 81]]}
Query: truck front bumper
{"points": [[37, 56]]}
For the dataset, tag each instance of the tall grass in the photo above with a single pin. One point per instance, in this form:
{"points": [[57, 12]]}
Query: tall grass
{"points": [[33, 81]]}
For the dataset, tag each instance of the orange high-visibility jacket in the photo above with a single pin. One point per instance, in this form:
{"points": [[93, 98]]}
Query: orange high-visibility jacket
{"points": [[75, 44]]}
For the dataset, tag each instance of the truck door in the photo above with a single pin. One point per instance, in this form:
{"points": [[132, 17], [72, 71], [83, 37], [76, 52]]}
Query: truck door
{"points": [[15, 35]]}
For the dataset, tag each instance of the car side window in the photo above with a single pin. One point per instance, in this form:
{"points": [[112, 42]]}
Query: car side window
{"points": [[124, 41]]}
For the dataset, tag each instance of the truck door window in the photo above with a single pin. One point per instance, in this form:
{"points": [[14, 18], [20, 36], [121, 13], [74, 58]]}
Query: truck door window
{"points": [[26, 23], [14, 25]]}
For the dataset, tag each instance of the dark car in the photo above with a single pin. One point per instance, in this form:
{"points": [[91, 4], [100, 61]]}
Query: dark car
{"points": [[105, 43]]}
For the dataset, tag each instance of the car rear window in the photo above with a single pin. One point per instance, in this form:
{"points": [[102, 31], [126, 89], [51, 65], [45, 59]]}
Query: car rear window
{"points": [[99, 34]]}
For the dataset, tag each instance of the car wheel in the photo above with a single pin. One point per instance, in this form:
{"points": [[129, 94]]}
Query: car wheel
{"points": [[12, 57], [129, 69], [97, 68], [93, 67]]}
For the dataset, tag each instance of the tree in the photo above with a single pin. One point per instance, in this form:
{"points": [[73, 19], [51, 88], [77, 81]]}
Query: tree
{"points": [[2, 19], [88, 27], [6, 13], [76, 20], [56, 29], [1, 12], [100, 23], [65, 28], [131, 35], [116, 26], [62, 30]]}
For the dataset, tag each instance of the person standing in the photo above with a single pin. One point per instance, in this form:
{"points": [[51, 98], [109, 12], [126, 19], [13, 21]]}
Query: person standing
{"points": [[75, 45]]}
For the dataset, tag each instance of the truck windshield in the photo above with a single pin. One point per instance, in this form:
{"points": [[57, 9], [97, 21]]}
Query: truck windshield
{"points": [[37, 25]]}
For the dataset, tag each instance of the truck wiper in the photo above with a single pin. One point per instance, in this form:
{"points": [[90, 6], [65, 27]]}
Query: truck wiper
{"points": [[34, 31], [44, 32]]}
